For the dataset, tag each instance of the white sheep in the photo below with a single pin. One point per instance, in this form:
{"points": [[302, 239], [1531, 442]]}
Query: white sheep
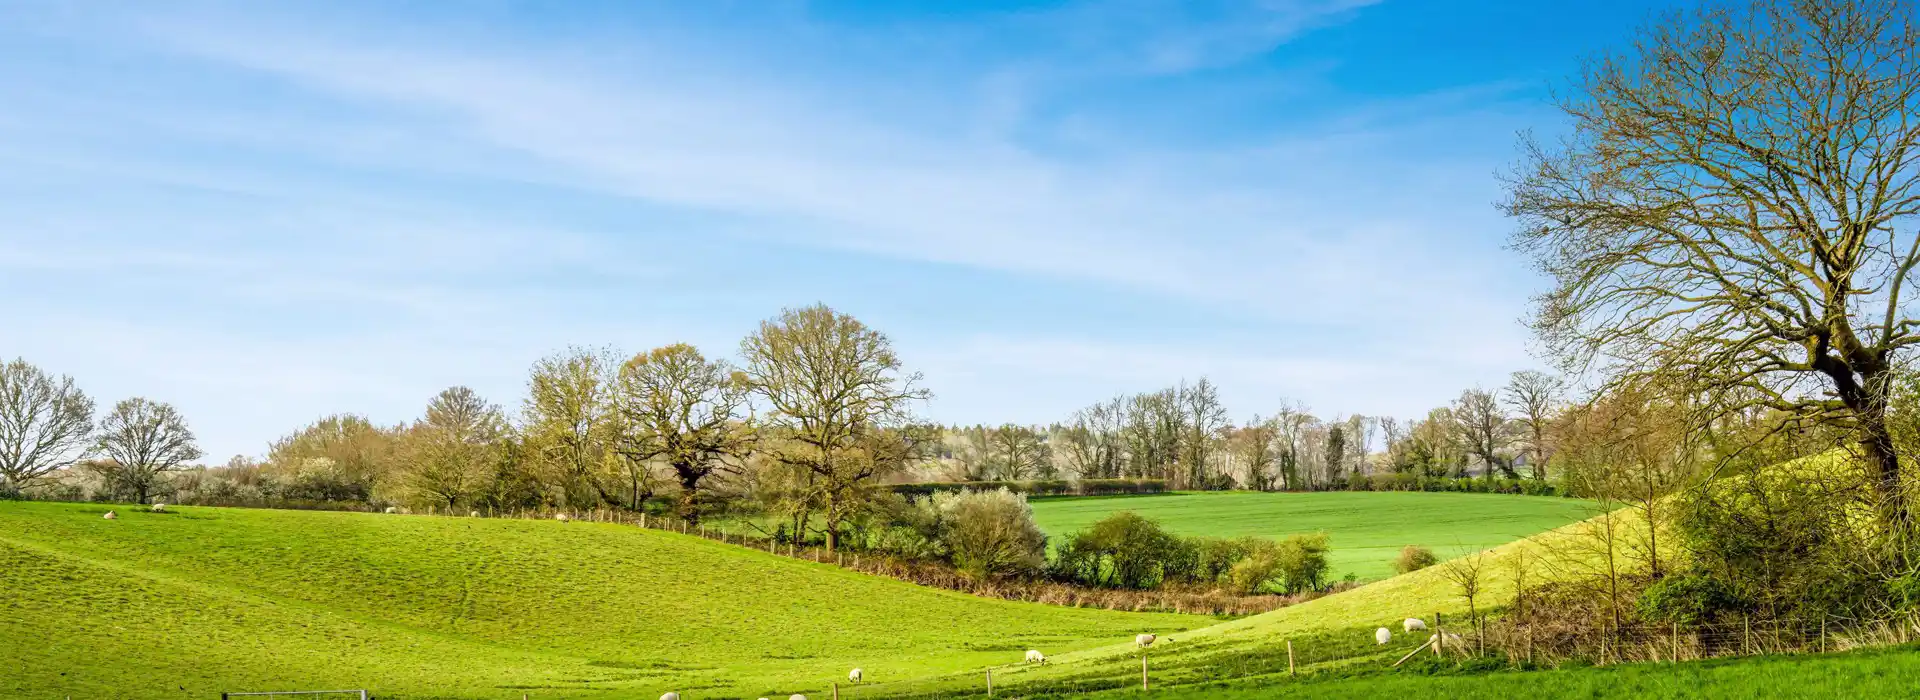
{"points": [[158, 508], [392, 510], [670, 696], [1382, 636], [1413, 624], [1143, 640], [1035, 657], [474, 514], [854, 676], [796, 696], [110, 516], [562, 517]]}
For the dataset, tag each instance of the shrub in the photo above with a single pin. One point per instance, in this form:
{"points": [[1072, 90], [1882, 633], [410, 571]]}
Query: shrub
{"points": [[1303, 562], [1259, 569], [1218, 555], [1414, 558], [989, 533], [1125, 550], [1689, 599]]}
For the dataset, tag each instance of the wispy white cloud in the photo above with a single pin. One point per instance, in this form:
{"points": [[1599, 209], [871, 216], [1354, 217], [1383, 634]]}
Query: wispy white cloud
{"points": [[1361, 269]]}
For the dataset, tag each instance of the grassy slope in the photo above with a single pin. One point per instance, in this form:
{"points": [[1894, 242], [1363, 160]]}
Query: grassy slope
{"points": [[1884, 673], [205, 600], [1335, 627], [1366, 530]]}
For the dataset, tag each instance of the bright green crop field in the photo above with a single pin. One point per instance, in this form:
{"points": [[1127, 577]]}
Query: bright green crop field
{"points": [[192, 603], [1366, 530]]}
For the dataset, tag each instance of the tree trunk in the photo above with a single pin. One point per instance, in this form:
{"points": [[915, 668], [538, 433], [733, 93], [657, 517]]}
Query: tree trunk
{"points": [[1883, 467], [689, 497]]}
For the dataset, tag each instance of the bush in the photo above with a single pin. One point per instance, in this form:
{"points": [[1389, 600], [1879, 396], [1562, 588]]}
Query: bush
{"points": [[989, 533], [1689, 599], [1303, 562], [1414, 558], [1218, 555], [1125, 550], [1256, 572]]}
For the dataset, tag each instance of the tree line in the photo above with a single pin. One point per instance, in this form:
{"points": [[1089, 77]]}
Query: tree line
{"points": [[1183, 436]]}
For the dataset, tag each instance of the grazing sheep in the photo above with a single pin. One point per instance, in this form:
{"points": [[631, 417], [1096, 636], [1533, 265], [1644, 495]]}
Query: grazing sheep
{"points": [[1143, 640], [474, 514], [1382, 636], [853, 676], [670, 696], [1413, 624], [562, 517], [110, 516], [1035, 657], [392, 510], [796, 696], [158, 508]]}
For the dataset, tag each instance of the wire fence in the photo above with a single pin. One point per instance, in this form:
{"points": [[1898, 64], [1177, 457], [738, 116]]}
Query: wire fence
{"points": [[1637, 642]]}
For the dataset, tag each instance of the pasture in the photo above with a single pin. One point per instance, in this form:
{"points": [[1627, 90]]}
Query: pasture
{"points": [[204, 600], [1365, 530]]}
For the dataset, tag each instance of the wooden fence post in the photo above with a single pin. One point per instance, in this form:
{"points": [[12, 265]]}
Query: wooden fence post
{"points": [[1746, 633], [1143, 671], [989, 682], [836, 690], [1289, 657], [1823, 634], [1676, 641]]}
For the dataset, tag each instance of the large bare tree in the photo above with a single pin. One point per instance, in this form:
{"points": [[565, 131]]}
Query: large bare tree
{"points": [[1735, 205], [1482, 430], [46, 423], [685, 411], [1019, 452], [1534, 395], [454, 448], [141, 440], [841, 402]]}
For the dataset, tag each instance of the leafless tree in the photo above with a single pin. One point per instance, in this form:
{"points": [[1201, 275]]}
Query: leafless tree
{"points": [[841, 402], [688, 412], [1533, 395], [142, 440], [1735, 205], [1019, 452], [46, 424], [1483, 429]]}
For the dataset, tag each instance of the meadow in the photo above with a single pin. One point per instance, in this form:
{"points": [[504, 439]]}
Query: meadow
{"points": [[1366, 530], [205, 600], [1884, 673]]}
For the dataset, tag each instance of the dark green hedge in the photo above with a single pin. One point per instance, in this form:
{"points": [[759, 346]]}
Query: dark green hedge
{"points": [[1056, 487]]}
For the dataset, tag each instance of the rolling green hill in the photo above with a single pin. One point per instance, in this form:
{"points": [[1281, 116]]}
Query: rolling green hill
{"points": [[1366, 529], [204, 600]]}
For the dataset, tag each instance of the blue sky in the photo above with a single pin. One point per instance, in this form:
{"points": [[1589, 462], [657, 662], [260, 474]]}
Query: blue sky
{"points": [[269, 212]]}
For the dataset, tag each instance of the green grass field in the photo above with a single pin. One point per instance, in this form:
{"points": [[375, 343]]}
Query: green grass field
{"points": [[1366, 530], [1882, 673], [193, 603], [189, 604]]}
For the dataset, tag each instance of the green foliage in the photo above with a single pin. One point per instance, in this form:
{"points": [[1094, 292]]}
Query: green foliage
{"points": [[1414, 558], [1788, 538], [1302, 562], [1690, 599], [988, 533]]}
